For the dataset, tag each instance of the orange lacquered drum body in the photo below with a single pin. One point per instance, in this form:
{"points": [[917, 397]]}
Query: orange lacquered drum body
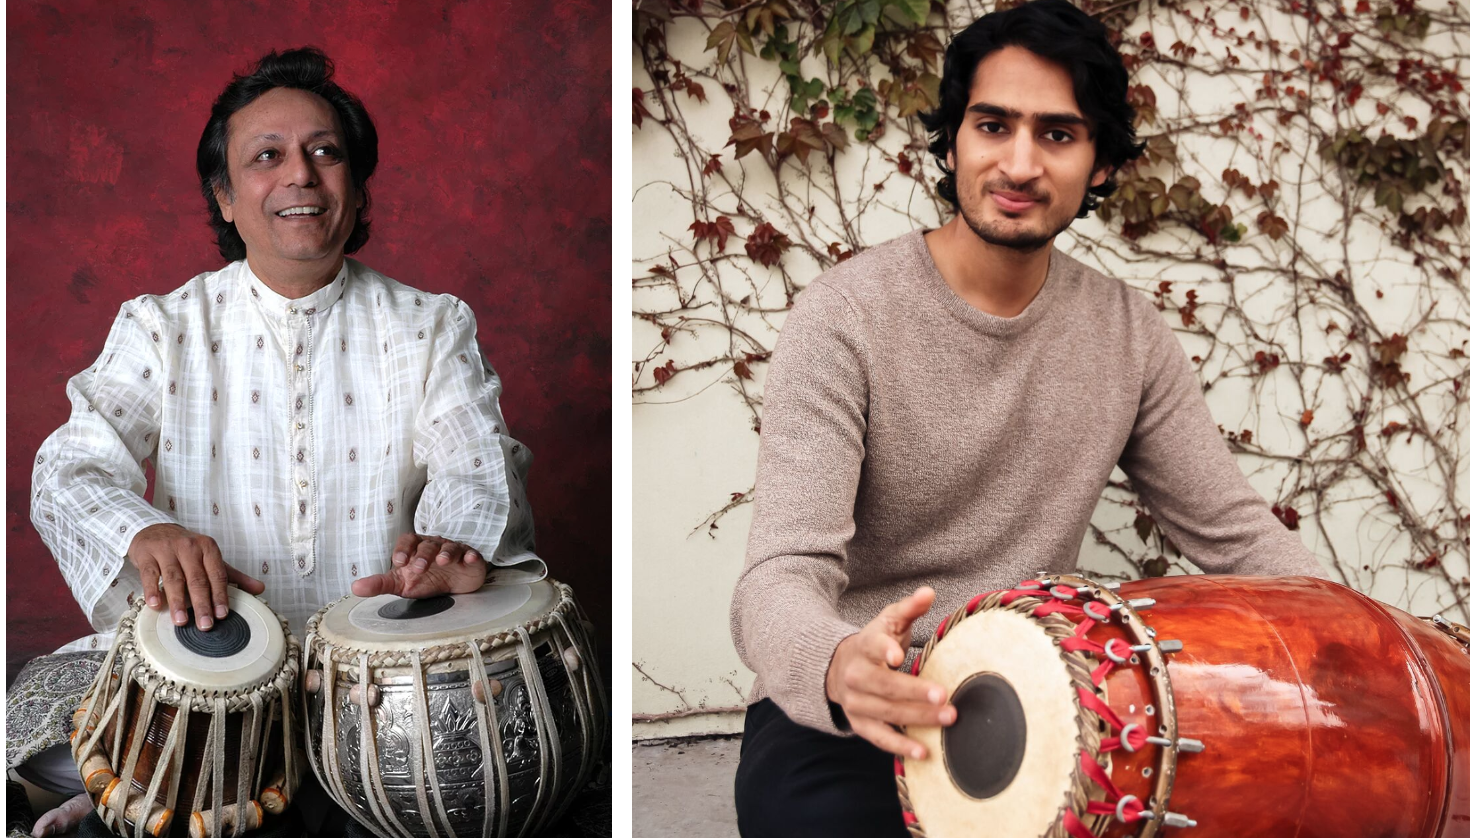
{"points": [[1200, 706]]}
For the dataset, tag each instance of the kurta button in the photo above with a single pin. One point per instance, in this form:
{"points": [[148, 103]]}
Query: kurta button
{"points": [[300, 368], [292, 309], [300, 425], [303, 484]]}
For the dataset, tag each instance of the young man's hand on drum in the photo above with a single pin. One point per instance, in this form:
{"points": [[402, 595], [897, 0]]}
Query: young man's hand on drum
{"points": [[864, 680], [192, 571]]}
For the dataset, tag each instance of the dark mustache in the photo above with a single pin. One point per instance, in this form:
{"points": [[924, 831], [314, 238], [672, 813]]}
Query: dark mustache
{"points": [[1007, 187]]}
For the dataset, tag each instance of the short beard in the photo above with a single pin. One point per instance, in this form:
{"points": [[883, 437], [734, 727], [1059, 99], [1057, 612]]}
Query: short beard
{"points": [[1020, 242]]}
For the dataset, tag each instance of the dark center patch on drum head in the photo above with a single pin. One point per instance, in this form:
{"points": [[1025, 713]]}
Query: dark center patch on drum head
{"points": [[413, 609], [228, 637], [984, 747]]}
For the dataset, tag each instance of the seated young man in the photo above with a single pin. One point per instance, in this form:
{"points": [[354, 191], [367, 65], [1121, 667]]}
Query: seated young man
{"points": [[942, 414]]}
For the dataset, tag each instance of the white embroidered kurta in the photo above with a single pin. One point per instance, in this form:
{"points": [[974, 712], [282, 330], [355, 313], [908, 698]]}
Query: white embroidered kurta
{"points": [[304, 436]]}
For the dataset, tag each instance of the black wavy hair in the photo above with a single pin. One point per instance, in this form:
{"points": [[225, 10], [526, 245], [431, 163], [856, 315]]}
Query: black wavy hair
{"points": [[309, 69], [1059, 32]]}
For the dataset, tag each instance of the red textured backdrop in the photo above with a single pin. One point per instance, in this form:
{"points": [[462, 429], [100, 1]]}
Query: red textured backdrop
{"points": [[493, 185]]}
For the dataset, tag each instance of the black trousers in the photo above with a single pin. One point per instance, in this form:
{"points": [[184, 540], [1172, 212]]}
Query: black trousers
{"points": [[797, 781]]}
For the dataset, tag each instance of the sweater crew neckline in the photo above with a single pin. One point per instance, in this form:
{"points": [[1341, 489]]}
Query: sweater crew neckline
{"points": [[1057, 273]]}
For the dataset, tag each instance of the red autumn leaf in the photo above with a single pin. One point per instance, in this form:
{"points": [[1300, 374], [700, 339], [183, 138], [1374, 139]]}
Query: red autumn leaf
{"points": [[695, 90], [926, 48], [718, 231], [1363, 7], [800, 138], [640, 110], [1246, 436], [1429, 561], [1335, 363], [1391, 349], [1265, 363], [1306, 417], [713, 165], [835, 250], [664, 373], [1393, 500], [1143, 525], [742, 370], [765, 245], [734, 496], [747, 136], [1393, 427], [1271, 224], [1287, 516]]}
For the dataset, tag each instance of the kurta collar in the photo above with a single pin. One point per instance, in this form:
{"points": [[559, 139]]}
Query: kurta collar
{"points": [[280, 307]]}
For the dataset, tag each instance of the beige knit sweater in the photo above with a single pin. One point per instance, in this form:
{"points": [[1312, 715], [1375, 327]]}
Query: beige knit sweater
{"points": [[910, 438]]}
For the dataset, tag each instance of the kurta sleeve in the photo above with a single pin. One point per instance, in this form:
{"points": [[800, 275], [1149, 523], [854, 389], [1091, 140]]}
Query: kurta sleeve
{"points": [[783, 616], [87, 487], [1188, 478], [476, 490]]}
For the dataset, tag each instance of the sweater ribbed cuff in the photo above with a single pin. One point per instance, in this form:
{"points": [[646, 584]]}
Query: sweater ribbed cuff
{"points": [[803, 692]]}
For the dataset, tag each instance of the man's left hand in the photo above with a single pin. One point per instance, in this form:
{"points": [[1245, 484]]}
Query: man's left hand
{"points": [[425, 566]]}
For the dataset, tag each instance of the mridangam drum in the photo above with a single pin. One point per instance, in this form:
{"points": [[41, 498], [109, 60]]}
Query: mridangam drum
{"points": [[1229, 705], [468, 715], [191, 722]]}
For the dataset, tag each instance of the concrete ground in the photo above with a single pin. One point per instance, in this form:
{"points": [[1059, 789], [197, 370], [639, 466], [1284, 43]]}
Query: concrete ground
{"points": [[685, 788]]}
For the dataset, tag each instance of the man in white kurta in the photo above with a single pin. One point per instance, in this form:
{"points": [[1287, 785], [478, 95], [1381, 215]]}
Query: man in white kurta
{"points": [[302, 435]]}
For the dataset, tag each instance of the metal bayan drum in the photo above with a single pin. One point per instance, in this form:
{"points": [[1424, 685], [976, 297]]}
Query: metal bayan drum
{"points": [[1229, 705], [180, 720], [483, 713]]}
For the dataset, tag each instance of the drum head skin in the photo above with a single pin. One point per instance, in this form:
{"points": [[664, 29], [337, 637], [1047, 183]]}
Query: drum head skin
{"points": [[1002, 667], [392, 623], [240, 652]]}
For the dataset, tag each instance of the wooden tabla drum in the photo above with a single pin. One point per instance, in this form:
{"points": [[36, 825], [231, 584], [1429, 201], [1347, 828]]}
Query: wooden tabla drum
{"points": [[192, 731], [1201, 705], [467, 715]]}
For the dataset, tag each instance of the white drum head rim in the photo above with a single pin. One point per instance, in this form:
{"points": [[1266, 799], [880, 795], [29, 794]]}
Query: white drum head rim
{"points": [[157, 643], [352, 623], [1018, 648]]}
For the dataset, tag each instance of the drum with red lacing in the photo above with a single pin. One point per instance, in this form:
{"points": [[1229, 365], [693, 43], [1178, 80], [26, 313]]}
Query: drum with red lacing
{"points": [[1204, 705]]}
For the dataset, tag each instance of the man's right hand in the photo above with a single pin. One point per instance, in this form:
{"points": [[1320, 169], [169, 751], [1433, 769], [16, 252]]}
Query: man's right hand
{"points": [[864, 680], [192, 571]]}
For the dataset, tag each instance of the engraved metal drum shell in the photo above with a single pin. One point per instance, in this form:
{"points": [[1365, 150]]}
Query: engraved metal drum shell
{"points": [[455, 733]]}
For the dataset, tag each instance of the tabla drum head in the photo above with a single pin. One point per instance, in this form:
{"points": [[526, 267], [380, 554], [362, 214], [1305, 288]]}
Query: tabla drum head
{"points": [[240, 652], [1005, 767], [392, 623]]}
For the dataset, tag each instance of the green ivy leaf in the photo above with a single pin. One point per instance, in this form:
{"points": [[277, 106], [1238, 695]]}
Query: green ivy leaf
{"points": [[917, 11]]}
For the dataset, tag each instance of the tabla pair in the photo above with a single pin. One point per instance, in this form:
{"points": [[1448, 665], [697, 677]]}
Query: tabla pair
{"points": [[1200, 706], [472, 715]]}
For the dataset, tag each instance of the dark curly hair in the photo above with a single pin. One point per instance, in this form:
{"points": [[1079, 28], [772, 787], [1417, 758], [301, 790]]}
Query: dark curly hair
{"points": [[306, 69], [1059, 32]]}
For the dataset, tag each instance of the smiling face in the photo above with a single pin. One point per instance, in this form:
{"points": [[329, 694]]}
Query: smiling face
{"points": [[1023, 156], [291, 195]]}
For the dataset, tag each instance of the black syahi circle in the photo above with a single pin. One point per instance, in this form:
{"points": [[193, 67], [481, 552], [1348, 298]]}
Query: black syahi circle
{"points": [[228, 637], [984, 747], [413, 609]]}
